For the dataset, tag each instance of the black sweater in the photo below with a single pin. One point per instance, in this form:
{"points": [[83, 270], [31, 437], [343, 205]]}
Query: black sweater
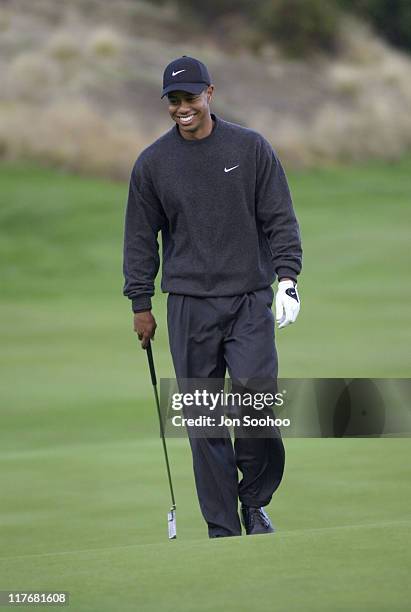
{"points": [[225, 214]]}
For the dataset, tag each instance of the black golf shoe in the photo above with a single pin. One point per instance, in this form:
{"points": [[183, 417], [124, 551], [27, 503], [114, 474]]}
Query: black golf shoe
{"points": [[256, 521]]}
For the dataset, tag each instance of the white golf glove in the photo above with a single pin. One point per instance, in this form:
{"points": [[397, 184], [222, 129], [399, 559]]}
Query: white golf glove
{"points": [[287, 303]]}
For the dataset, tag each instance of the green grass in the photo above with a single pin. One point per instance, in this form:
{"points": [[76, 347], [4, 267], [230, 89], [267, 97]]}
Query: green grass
{"points": [[83, 489]]}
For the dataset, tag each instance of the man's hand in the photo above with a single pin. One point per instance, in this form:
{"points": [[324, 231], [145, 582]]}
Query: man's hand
{"points": [[145, 327], [287, 303]]}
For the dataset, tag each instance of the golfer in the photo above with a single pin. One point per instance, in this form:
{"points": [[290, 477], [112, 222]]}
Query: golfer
{"points": [[218, 194]]}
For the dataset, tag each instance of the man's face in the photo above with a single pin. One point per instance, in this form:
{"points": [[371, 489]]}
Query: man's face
{"points": [[190, 111]]}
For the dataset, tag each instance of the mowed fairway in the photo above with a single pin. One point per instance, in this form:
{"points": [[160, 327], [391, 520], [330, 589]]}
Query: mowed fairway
{"points": [[84, 495]]}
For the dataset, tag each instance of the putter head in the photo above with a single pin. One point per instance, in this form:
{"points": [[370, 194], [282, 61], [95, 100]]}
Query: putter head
{"points": [[172, 526]]}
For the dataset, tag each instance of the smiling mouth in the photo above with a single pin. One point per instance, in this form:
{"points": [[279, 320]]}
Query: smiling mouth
{"points": [[186, 120]]}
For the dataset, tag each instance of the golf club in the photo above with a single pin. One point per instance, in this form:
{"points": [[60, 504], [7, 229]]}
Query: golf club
{"points": [[172, 526]]}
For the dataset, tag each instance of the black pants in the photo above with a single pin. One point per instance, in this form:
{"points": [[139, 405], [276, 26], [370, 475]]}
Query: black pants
{"points": [[208, 335]]}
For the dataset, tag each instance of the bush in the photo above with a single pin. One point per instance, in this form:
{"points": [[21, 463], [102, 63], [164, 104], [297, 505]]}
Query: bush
{"points": [[213, 9], [105, 42], [304, 26], [391, 18], [64, 46], [300, 26]]}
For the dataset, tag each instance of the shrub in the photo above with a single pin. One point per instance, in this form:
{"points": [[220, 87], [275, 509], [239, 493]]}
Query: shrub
{"points": [[105, 42], [213, 9], [300, 26], [391, 18], [31, 77], [63, 46]]}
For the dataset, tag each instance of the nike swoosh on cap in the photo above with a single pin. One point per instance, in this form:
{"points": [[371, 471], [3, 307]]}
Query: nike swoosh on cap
{"points": [[178, 72], [229, 169]]}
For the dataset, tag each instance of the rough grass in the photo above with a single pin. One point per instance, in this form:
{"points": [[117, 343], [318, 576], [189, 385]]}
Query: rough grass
{"points": [[81, 87]]}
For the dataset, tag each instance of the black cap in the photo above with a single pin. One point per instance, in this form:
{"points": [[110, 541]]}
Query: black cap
{"points": [[185, 74]]}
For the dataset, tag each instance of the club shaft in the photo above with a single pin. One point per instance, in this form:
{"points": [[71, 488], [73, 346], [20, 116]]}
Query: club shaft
{"points": [[154, 383]]}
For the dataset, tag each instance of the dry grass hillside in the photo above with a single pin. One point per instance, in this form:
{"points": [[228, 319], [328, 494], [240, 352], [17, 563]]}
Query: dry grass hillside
{"points": [[81, 80]]}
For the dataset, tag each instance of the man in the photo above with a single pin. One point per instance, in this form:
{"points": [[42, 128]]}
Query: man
{"points": [[219, 196]]}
